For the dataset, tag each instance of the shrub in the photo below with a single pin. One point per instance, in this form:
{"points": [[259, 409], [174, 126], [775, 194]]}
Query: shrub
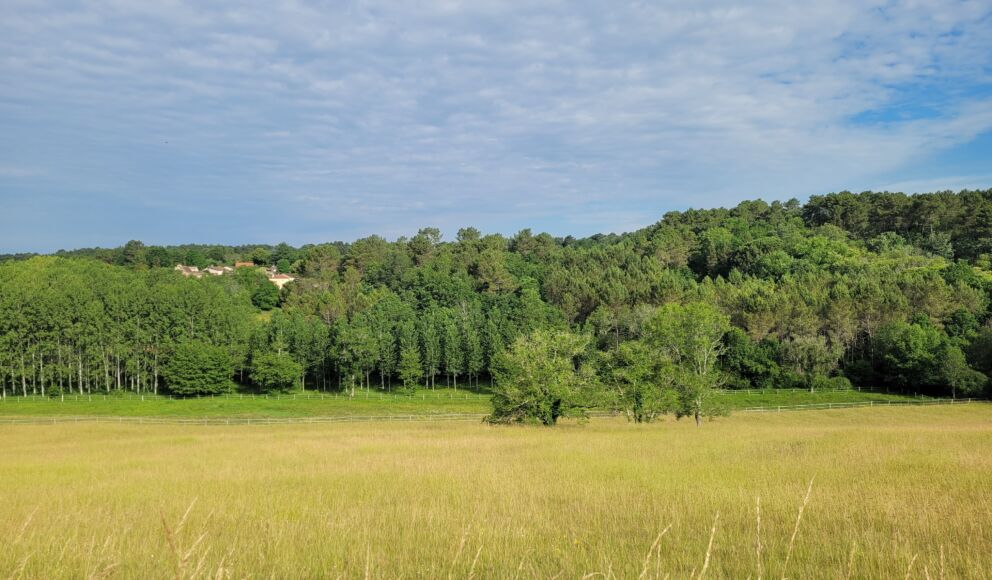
{"points": [[274, 372], [265, 296], [198, 368], [823, 382]]}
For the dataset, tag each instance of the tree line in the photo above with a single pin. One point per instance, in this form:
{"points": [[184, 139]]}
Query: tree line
{"points": [[871, 289]]}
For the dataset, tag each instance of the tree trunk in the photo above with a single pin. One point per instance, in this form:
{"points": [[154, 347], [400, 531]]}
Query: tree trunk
{"points": [[61, 369], [106, 372]]}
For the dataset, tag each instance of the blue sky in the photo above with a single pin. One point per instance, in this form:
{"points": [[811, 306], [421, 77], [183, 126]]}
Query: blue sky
{"points": [[172, 121]]}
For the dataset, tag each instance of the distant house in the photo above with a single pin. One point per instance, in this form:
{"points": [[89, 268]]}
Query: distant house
{"points": [[248, 264], [215, 270], [188, 271], [281, 280]]}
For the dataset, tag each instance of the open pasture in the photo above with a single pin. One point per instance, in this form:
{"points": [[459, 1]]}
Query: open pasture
{"points": [[362, 404], [894, 492]]}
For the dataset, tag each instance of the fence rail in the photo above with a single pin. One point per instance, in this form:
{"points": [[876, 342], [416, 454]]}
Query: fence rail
{"points": [[161, 420], [380, 396], [446, 394], [888, 403], [878, 390]]}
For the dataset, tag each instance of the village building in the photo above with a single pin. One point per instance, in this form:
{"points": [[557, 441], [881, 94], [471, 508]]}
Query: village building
{"points": [[248, 264], [188, 271], [281, 280]]}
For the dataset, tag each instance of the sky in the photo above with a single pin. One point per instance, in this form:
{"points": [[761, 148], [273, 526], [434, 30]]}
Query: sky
{"points": [[265, 121]]}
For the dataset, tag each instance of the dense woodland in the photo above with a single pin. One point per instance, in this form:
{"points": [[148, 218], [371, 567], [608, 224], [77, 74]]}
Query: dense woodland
{"points": [[871, 289]]}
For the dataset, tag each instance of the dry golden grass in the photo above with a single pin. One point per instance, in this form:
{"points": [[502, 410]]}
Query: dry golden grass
{"points": [[895, 493]]}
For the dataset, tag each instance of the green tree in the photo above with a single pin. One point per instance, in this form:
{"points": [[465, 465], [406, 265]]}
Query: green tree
{"points": [[917, 356], [811, 357], [691, 336], [265, 296], [410, 370], [542, 378], [428, 326], [636, 382], [273, 372], [750, 364], [470, 329], [198, 368], [453, 355]]}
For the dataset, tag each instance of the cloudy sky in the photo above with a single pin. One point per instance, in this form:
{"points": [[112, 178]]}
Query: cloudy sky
{"points": [[172, 121]]}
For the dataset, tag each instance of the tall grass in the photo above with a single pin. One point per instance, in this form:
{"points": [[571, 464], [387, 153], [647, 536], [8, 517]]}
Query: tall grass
{"points": [[897, 493]]}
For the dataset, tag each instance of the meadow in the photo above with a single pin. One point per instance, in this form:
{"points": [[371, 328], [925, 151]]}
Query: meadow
{"points": [[880, 492], [374, 403]]}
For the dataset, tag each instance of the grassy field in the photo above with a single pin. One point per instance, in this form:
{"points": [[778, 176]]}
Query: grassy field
{"points": [[895, 492], [362, 404]]}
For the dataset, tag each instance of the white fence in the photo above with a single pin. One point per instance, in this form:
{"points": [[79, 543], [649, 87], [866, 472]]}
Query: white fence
{"points": [[160, 420], [371, 395], [889, 403]]}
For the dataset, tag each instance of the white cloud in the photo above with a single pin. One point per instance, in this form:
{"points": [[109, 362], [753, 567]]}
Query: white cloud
{"points": [[385, 113]]}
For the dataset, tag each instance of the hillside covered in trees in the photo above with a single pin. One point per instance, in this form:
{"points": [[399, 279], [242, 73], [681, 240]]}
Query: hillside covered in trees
{"points": [[875, 289]]}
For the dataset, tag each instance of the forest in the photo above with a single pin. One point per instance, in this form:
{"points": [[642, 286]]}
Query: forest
{"points": [[873, 290]]}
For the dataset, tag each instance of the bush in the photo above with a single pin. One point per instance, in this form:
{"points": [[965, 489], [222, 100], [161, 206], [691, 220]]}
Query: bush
{"points": [[198, 368], [839, 384], [822, 382], [265, 296], [750, 364], [274, 372], [918, 357]]}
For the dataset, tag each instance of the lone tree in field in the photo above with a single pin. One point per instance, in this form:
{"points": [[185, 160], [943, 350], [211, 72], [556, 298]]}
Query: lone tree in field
{"points": [[691, 336], [540, 378], [636, 382], [199, 368], [274, 372]]}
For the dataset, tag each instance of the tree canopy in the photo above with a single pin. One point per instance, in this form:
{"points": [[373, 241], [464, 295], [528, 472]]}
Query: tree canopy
{"points": [[879, 289]]}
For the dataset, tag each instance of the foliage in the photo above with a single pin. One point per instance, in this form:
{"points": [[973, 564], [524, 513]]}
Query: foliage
{"points": [[409, 369], [811, 357], [750, 364], [274, 372], [814, 292], [198, 368], [265, 296], [637, 383], [691, 336], [541, 378], [918, 355]]}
